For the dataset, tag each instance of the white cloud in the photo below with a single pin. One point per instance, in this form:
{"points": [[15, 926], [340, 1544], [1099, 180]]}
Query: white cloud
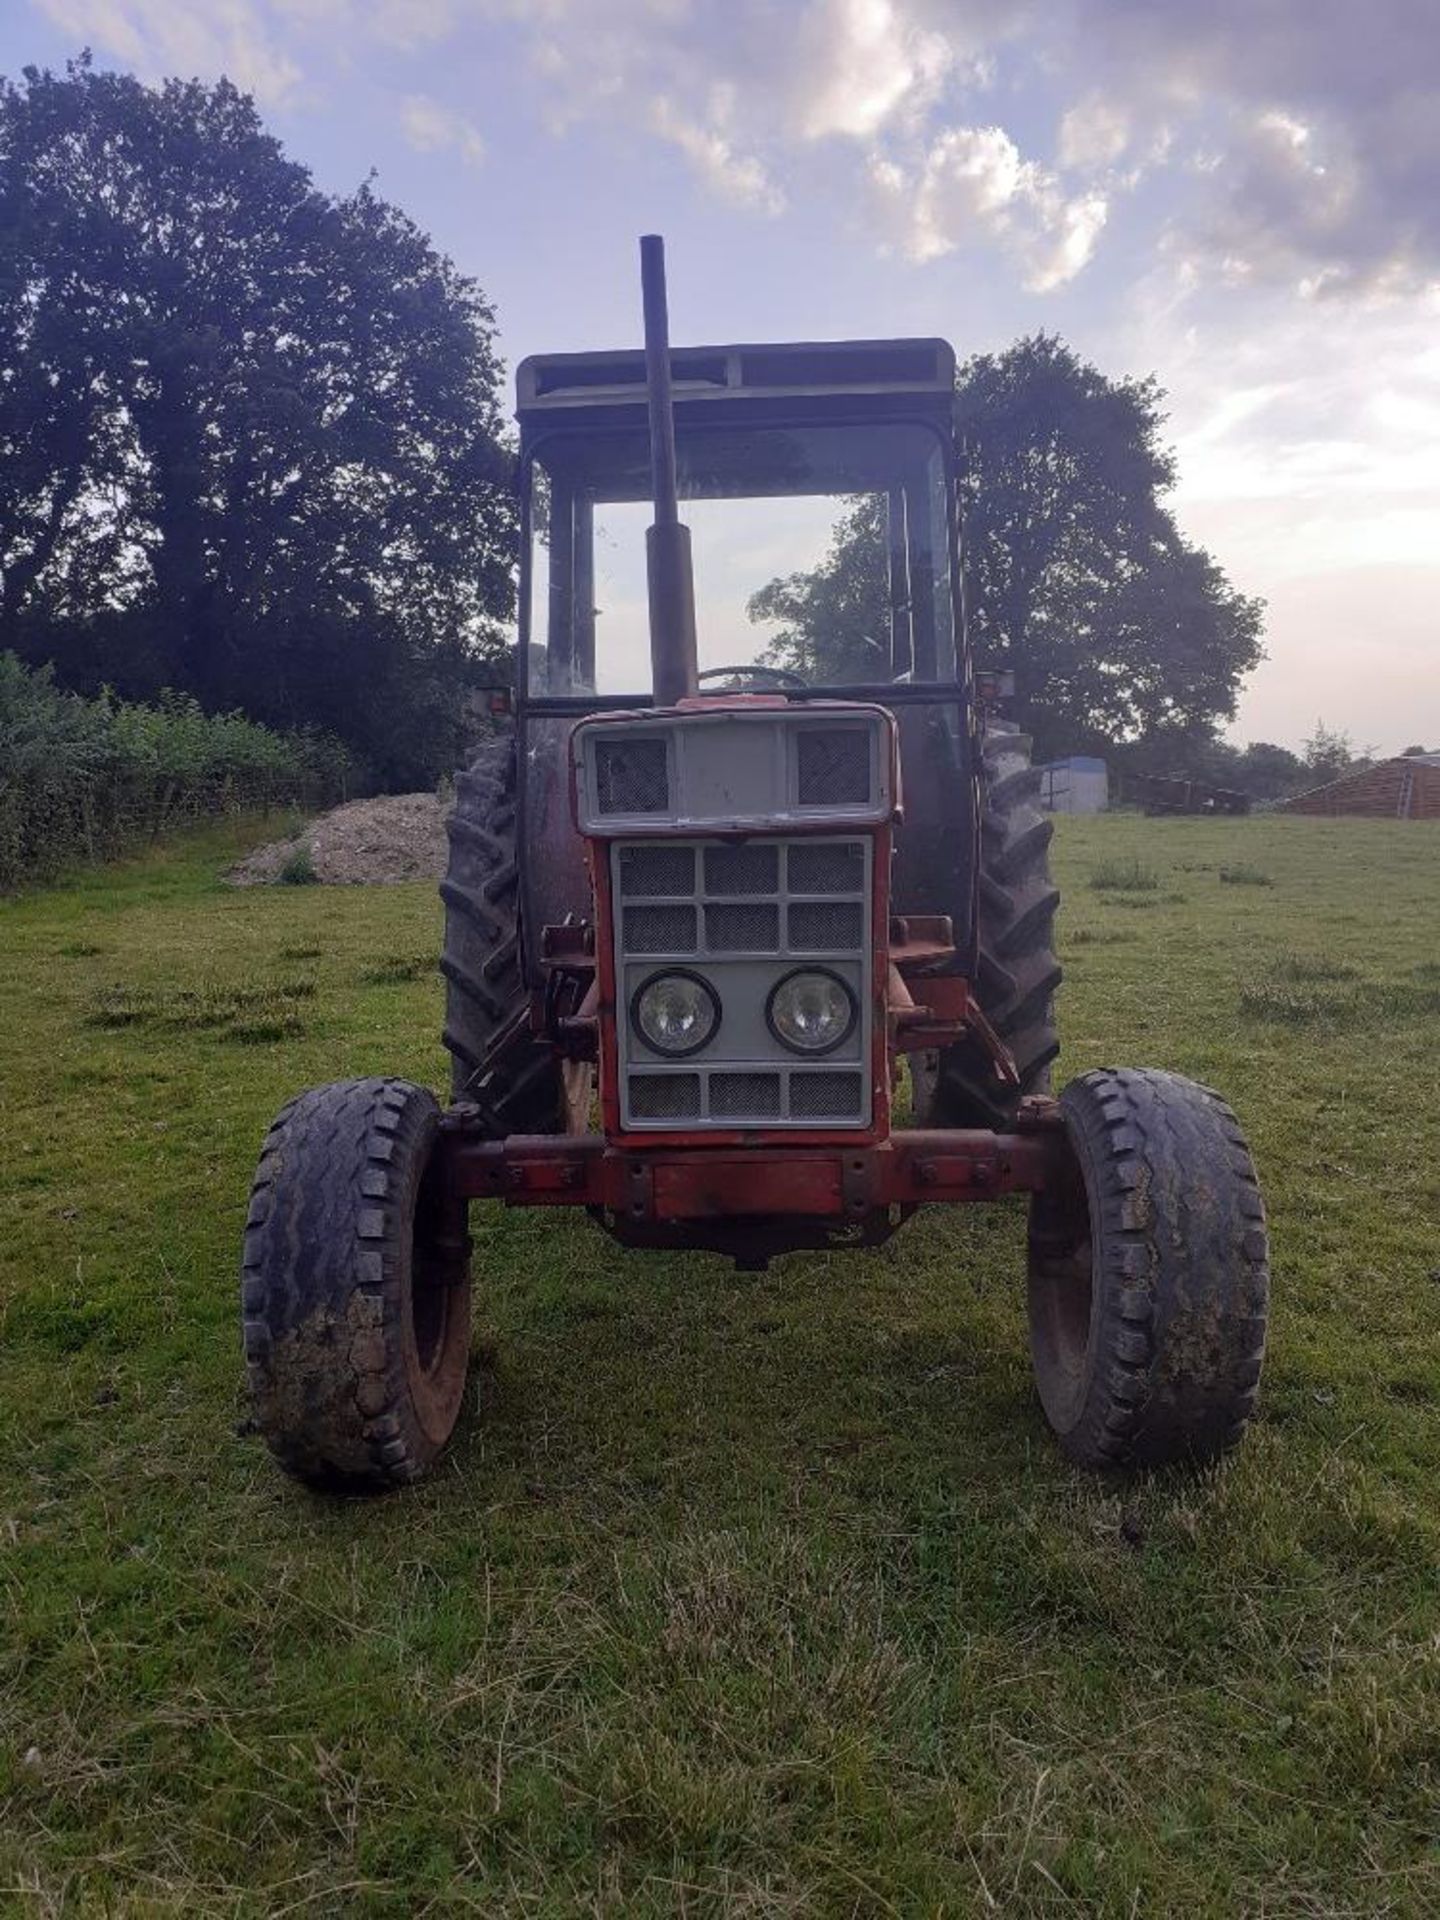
{"points": [[1093, 134], [431, 127], [974, 184], [854, 64], [162, 37], [735, 176]]}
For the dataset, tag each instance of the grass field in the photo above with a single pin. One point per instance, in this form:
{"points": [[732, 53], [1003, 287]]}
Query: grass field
{"points": [[742, 1594]]}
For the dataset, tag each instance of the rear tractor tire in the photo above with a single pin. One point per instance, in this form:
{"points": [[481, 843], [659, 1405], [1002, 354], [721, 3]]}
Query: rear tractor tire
{"points": [[1149, 1280], [1017, 973], [356, 1288], [518, 1087]]}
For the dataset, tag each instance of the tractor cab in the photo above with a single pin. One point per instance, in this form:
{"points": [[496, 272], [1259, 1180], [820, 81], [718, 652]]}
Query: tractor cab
{"points": [[773, 447], [778, 451]]}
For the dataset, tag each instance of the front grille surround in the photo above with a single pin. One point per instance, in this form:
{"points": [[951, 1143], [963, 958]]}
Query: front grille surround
{"points": [[743, 915], [749, 769]]}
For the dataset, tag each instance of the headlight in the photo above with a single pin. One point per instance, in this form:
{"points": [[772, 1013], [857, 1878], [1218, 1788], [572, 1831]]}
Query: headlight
{"points": [[811, 1011], [675, 1013]]}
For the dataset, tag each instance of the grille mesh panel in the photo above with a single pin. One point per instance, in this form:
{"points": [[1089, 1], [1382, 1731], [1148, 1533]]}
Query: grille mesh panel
{"points": [[745, 1096], [742, 870], [631, 776], [665, 1096], [752, 928], [832, 766], [658, 869], [660, 929], [742, 913], [826, 926], [826, 866], [826, 1096]]}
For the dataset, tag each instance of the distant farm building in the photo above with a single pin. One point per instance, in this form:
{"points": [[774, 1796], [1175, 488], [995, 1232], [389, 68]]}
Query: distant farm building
{"points": [[1403, 789], [1078, 785]]}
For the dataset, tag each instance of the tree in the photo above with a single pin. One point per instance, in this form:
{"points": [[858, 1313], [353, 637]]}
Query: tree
{"points": [[1267, 771], [250, 439], [1328, 753], [1261, 769], [829, 618], [1076, 575]]}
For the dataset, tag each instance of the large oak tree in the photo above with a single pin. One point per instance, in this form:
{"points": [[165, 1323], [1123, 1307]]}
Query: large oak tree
{"points": [[1076, 575], [250, 437]]}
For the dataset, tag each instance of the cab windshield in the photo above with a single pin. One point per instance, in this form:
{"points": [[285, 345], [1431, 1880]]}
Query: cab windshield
{"points": [[823, 554]]}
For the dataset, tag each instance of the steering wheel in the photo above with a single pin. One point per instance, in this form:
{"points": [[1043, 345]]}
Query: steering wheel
{"points": [[782, 676]]}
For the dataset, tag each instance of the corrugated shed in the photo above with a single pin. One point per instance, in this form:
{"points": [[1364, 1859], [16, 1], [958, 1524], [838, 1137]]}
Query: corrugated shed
{"points": [[1404, 789]]}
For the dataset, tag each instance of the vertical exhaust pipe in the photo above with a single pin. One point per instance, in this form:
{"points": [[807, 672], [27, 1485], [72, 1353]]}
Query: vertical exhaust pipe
{"points": [[669, 571]]}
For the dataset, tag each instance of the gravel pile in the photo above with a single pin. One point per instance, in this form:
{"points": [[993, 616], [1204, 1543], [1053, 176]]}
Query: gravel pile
{"points": [[366, 843]]}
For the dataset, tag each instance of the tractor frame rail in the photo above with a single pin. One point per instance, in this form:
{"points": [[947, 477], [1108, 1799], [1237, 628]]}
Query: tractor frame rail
{"points": [[750, 1200]]}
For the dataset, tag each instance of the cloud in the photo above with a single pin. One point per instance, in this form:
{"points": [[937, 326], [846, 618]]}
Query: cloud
{"points": [[973, 184], [1292, 142], [735, 176], [854, 64], [1093, 134], [162, 37], [430, 127], [1297, 141], [1307, 132]]}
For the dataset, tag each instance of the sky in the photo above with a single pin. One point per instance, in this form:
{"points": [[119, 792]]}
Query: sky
{"points": [[1239, 196]]}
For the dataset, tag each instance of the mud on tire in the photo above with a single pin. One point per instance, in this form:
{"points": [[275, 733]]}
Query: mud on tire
{"points": [[1148, 1274], [518, 1090], [355, 1288], [1018, 972]]}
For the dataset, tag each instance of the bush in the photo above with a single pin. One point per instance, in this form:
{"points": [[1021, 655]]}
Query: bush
{"points": [[299, 868], [82, 780]]}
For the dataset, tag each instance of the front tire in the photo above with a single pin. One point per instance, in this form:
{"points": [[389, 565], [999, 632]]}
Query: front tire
{"points": [[356, 1288], [1148, 1274]]}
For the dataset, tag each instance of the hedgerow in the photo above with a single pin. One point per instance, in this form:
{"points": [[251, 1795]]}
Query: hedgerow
{"points": [[83, 780]]}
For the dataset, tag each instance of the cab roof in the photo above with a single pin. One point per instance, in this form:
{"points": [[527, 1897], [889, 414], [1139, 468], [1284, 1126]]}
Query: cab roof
{"points": [[891, 379]]}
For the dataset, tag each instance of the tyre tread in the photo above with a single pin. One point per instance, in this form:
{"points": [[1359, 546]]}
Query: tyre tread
{"points": [[327, 1255], [1181, 1265]]}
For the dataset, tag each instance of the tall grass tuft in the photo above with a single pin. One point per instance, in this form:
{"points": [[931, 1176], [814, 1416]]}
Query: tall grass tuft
{"points": [[1125, 876]]}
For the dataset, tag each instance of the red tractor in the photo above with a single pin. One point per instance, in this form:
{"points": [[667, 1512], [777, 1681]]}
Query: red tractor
{"points": [[695, 927]]}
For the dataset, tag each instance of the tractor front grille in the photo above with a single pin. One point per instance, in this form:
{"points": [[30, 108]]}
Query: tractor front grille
{"points": [[832, 766], [665, 1097], [632, 775], [743, 914]]}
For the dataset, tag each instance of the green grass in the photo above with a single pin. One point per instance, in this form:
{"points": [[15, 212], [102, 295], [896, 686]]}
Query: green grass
{"points": [[1125, 876], [752, 1594]]}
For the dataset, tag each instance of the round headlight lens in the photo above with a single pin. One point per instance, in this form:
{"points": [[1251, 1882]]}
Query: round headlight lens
{"points": [[811, 1011], [675, 1013]]}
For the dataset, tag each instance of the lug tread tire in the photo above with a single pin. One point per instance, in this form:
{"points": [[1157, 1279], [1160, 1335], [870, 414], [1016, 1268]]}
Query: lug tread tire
{"points": [[521, 1091], [1179, 1275], [331, 1262], [1017, 973]]}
